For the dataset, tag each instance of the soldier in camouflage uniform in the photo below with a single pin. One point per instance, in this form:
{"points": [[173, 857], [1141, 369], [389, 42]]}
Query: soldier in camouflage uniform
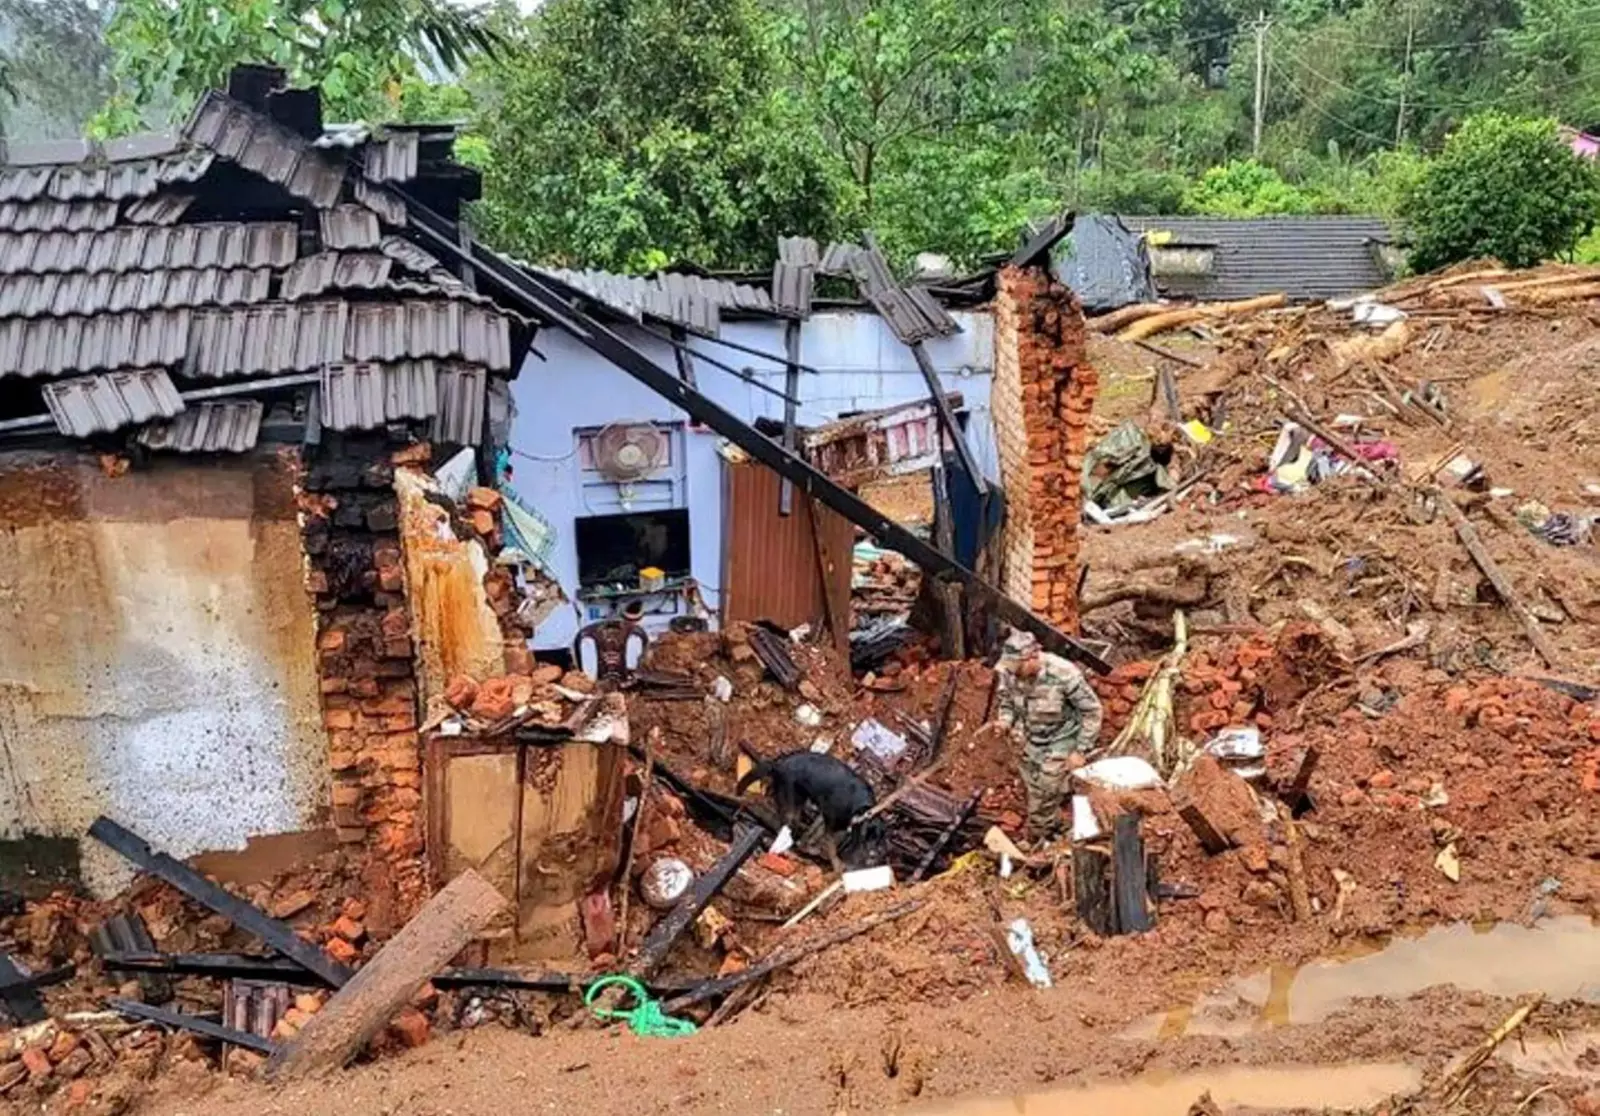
{"points": [[1048, 708]]}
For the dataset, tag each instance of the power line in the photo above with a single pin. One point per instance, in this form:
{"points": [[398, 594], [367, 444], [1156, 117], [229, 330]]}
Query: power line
{"points": [[1355, 129]]}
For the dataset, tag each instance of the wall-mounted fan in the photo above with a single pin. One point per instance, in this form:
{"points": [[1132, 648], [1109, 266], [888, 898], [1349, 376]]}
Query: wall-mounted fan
{"points": [[626, 452]]}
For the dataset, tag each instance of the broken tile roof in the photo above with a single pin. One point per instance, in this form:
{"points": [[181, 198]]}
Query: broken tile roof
{"points": [[112, 257]]}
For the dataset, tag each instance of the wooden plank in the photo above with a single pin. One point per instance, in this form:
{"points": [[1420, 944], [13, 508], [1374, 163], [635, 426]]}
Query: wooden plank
{"points": [[666, 932], [1210, 840], [1468, 534], [276, 934], [1129, 875], [1297, 795], [444, 926], [194, 1023], [1091, 889]]}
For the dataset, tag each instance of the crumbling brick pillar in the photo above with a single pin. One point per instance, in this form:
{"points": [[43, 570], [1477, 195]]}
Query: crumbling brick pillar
{"points": [[1041, 399], [356, 573]]}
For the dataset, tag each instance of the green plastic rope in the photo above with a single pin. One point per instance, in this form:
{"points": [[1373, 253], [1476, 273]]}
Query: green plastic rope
{"points": [[645, 1018]]}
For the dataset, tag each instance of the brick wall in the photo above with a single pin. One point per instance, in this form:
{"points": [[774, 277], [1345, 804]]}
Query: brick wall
{"points": [[1042, 397], [356, 574]]}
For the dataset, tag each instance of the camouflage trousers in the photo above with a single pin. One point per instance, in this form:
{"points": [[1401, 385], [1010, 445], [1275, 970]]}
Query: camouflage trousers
{"points": [[1044, 776]]}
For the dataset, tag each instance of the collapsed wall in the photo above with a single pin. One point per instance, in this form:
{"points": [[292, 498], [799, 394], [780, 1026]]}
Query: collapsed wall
{"points": [[1042, 398], [356, 572]]}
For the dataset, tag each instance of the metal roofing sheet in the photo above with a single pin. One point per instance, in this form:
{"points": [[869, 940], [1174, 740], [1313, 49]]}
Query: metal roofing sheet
{"points": [[800, 251], [363, 395], [88, 405], [792, 288], [265, 340], [69, 216], [385, 203], [1305, 257], [150, 248], [101, 342], [160, 209], [349, 226], [392, 158], [260, 144], [63, 294], [223, 426], [463, 395]]}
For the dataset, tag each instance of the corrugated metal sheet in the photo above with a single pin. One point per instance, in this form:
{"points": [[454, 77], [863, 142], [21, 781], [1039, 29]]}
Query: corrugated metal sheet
{"points": [[336, 271], [839, 259], [266, 340], [385, 203], [770, 565], [89, 405], [792, 287], [68, 216], [259, 143], [368, 395], [417, 328], [159, 209], [799, 251], [102, 342], [463, 395], [150, 248], [224, 426], [1304, 257], [349, 226], [60, 295], [393, 158]]}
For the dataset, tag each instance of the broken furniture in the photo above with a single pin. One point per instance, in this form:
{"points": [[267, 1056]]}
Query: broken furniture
{"points": [[610, 639]]}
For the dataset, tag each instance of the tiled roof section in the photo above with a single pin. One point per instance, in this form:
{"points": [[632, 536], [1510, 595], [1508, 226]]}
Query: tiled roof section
{"points": [[395, 331], [260, 144], [871, 272], [164, 208], [107, 181], [693, 301], [65, 294], [1303, 257], [364, 395], [349, 226], [49, 153], [792, 288], [839, 259], [53, 215], [392, 158], [385, 203], [335, 271], [938, 319], [798, 251], [409, 256], [88, 405], [101, 342], [145, 145], [150, 248], [265, 340], [224, 426], [463, 396]]}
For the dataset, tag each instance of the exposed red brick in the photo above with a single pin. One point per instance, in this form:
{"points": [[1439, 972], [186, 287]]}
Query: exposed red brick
{"points": [[410, 1028]]}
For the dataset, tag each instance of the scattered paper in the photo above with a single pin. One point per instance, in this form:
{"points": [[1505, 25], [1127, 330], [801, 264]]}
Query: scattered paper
{"points": [[869, 879], [783, 842], [871, 736], [1449, 863]]}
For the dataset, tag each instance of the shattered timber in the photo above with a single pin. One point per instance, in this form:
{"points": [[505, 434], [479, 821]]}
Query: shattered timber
{"points": [[332, 743]]}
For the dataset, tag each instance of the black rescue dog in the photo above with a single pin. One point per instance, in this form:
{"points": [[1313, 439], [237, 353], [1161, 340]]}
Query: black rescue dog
{"points": [[796, 778]]}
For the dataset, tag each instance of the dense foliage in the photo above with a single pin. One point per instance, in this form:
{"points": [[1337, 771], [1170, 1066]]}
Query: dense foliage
{"points": [[623, 133], [1504, 188]]}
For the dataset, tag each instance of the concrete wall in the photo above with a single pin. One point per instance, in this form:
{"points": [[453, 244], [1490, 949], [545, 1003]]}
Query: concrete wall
{"points": [[861, 366], [156, 655]]}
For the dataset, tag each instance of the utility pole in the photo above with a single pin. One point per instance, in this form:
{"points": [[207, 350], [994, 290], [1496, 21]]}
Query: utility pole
{"points": [[1261, 78], [1405, 76]]}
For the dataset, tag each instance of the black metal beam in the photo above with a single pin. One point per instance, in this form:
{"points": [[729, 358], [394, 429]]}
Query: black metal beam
{"points": [[20, 1001], [225, 966], [194, 1023], [947, 418], [791, 405], [276, 934], [535, 296]]}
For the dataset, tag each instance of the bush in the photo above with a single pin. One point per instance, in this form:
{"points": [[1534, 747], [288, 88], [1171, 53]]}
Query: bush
{"points": [[1503, 187], [1244, 188]]}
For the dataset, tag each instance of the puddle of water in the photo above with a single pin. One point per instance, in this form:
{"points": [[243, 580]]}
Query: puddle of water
{"points": [[1564, 1054], [1560, 957], [1342, 1087]]}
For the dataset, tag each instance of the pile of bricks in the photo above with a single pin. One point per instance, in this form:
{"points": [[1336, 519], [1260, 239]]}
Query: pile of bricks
{"points": [[365, 665], [1042, 400], [1223, 686]]}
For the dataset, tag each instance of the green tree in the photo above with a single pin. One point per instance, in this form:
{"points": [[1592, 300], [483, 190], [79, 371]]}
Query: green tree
{"points": [[1503, 187], [56, 66], [629, 135], [1244, 188], [357, 52]]}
